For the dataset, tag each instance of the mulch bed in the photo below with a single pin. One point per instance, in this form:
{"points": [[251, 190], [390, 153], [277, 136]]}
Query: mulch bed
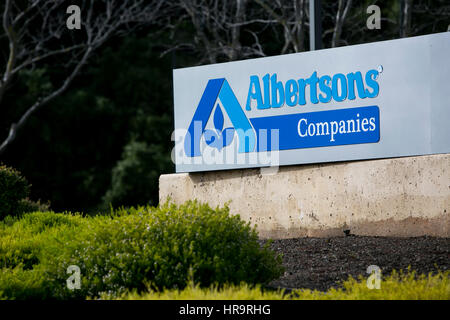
{"points": [[319, 263]]}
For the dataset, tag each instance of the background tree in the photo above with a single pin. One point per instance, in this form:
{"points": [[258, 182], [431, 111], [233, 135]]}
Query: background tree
{"points": [[341, 14], [215, 30], [36, 32], [405, 18], [292, 16], [106, 138]]}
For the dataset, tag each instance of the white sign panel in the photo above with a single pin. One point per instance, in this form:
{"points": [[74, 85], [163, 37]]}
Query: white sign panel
{"points": [[377, 100]]}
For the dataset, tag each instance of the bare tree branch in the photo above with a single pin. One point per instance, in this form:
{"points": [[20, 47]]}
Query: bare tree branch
{"points": [[405, 18], [291, 17], [7, 27], [36, 32], [341, 15], [218, 27]]}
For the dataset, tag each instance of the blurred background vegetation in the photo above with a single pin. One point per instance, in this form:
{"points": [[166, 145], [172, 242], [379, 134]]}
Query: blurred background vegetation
{"points": [[106, 140]]}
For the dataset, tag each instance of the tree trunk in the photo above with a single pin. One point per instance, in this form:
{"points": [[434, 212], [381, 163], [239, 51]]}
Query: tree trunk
{"points": [[405, 18], [341, 15]]}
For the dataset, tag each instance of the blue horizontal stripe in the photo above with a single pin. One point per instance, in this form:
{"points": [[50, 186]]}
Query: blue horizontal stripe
{"points": [[361, 125]]}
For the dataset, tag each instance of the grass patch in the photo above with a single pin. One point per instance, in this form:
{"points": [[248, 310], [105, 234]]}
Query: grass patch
{"points": [[396, 286]]}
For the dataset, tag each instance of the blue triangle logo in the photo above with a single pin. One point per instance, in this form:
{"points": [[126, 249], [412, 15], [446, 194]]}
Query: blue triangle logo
{"points": [[220, 137]]}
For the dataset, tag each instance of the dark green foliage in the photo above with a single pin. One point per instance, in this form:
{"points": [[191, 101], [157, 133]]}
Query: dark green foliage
{"points": [[27, 205], [162, 247], [13, 188], [14, 192], [25, 244], [135, 175]]}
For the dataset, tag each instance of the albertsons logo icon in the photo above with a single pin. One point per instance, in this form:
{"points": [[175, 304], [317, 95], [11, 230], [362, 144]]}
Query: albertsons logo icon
{"points": [[219, 137]]}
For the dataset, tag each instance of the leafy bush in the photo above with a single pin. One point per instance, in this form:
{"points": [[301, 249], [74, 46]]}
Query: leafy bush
{"points": [[397, 286], [22, 284], [160, 247], [163, 247], [13, 188], [23, 245]]}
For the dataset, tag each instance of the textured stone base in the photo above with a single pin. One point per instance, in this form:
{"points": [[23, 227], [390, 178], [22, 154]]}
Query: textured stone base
{"points": [[389, 197]]}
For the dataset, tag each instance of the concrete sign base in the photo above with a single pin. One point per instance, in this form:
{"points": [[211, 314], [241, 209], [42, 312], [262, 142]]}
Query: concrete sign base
{"points": [[403, 197]]}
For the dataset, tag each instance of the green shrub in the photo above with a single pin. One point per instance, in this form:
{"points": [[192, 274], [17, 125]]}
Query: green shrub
{"points": [[161, 247], [19, 284], [24, 243], [13, 188]]}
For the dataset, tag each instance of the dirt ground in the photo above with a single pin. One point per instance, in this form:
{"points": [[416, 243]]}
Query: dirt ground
{"points": [[318, 263]]}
